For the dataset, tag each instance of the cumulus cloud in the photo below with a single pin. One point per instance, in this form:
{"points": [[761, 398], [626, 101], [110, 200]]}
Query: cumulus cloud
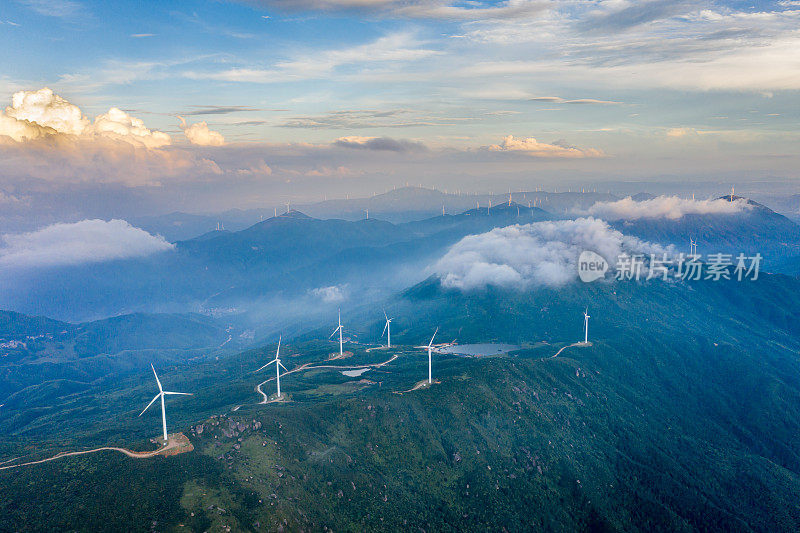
{"points": [[120, 125], [46, 109], [670, 207], [379, 143], [199, 134], [532, 147], [538, 254], [37, 114], [44, 136], [329, 295], [87, 241]]}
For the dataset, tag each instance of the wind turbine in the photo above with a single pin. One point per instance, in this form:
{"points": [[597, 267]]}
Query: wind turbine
{"points": [[339, 329], [388, 330], [430, 344], [586, 326], [278, 365], [161, 394], [692, 246]]}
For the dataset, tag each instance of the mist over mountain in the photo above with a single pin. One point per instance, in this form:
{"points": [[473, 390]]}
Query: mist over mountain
{"points": [[235, 272]]}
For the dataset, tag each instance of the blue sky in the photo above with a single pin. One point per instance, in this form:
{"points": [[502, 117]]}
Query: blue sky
{"points": [[479, 94]]}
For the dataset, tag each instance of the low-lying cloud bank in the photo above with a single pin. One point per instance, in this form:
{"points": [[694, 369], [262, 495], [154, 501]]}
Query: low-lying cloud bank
{"points": [[671, 207], [538, 254], [87, 241]]}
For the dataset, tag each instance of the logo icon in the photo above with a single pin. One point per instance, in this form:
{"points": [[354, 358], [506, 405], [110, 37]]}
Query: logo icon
{"points": [[591, 266]]}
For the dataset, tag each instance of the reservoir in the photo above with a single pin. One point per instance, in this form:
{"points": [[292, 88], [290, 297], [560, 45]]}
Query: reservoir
{"points": [[478, 350]]}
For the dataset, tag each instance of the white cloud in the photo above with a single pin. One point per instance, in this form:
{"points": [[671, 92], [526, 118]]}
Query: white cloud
{"points": [[392, 48], [538, 254], [47, 109], [199, 134], [120, 125], [44, 136], [329, 295], [670, 207], [534, 148], [87, 241], [22, 130], [37, 114]]}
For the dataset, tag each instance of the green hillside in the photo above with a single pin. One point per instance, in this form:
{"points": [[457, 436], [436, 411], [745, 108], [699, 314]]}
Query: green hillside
{"points": [[675, 418]]}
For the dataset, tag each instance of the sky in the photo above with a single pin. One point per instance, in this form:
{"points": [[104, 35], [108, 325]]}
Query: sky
{"points": [[150, 107]]}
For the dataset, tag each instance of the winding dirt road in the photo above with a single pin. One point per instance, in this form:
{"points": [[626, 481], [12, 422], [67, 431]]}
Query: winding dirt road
{"points": [[179, 441], [568, 346]]}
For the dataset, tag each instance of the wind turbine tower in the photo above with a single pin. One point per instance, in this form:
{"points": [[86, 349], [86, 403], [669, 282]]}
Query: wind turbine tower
{"points": [[586, 326], [430, 345], [339, 330], [161, 394], [278, 366], [388, 330]]}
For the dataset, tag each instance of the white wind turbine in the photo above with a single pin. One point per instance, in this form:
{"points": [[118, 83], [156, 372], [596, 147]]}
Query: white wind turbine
{"points": [[692, 246], [586, 326], [388, 330], [278, 365], [430, 344], [161, 394], [339, 329]]}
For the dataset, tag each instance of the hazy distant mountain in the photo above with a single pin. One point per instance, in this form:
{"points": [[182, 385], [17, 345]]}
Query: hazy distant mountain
{"points": [[400, 205], [758, 229]]}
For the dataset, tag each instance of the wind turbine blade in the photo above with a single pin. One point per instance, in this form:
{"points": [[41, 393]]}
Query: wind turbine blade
{"points": [[283, 367], [156, 375], [181, 393], [151, 403], [278, 352], [334, 332], [384, 315], [265, 366], [434, 336], [384, 327]]}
